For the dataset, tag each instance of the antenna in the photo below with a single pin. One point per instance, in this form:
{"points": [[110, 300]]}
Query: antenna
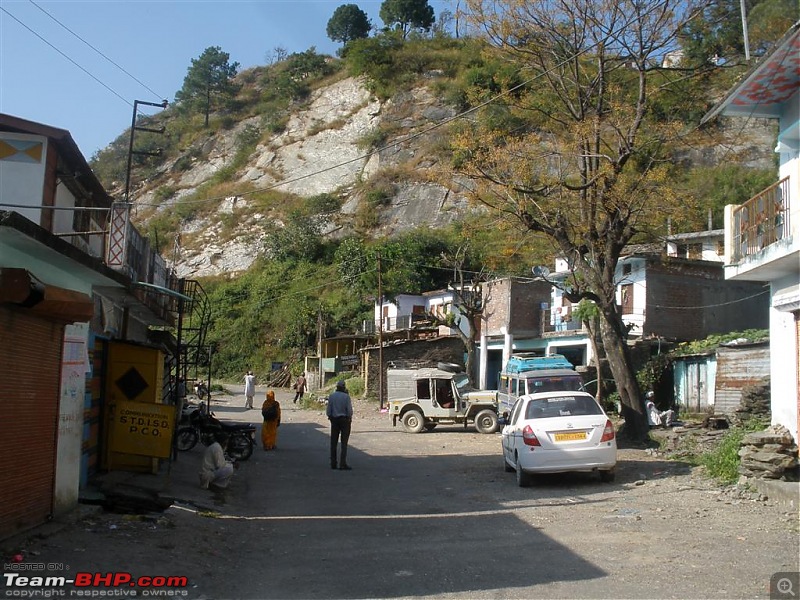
{"points": [[540, 271]]}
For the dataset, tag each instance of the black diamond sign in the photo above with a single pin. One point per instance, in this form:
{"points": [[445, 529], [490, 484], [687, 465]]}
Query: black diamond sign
{"points": [[132, 383]]}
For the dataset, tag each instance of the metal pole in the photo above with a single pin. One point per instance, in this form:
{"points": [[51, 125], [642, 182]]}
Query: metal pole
{"points": [[130, 153], [380, 335], [208, 387], [745, 35]]}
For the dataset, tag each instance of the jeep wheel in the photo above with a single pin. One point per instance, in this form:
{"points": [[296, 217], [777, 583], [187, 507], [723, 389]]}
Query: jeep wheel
{"points": [[486, 421], [413, 421]]}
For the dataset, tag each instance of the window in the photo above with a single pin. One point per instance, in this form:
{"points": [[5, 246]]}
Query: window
{"points": [[627, 299], [444, 393], [423, 389], [562, 406], [626, 268]]}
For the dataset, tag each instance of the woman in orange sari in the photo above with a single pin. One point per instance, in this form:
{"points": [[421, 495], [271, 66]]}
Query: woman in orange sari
{"points": [[271, 412]]}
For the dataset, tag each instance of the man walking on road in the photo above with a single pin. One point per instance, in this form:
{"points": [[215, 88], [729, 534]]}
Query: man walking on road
{"points": [[340, 414], [249, 389], [300, 387]]}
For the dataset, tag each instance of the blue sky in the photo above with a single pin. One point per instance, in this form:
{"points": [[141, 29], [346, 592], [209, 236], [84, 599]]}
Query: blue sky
{"points": [[154, 41]]}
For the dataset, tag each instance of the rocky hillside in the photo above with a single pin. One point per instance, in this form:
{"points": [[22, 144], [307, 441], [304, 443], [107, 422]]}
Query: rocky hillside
{"points": [[384, 161], [321, 151]]}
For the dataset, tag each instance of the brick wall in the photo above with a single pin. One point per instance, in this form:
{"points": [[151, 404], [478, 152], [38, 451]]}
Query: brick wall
{"points": [[30, 355], [514, 304], [675, 291]]}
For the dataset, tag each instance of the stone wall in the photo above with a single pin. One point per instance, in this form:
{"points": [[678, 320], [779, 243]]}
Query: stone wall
{"points": [[769, 454]]}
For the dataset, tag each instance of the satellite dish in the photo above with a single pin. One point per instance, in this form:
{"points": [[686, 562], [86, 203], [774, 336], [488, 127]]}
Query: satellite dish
{"points": [[539, 271]]}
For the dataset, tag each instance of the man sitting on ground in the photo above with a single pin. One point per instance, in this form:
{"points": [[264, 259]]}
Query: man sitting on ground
{"points": [[216, 471]]}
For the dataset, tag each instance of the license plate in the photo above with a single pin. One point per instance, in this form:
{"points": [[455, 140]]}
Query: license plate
{"points": [[571, 436]]}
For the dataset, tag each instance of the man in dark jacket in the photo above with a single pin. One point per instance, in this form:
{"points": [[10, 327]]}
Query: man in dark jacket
{"points": [[340, 414]]}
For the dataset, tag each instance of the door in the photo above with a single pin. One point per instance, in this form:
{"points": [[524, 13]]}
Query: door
{"points": [[445, 396], [29, 409], [509, 433], [695, 386]]}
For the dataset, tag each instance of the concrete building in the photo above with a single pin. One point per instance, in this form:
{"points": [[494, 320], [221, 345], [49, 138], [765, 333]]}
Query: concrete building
{"points": [[62, 306], [762, 236]]}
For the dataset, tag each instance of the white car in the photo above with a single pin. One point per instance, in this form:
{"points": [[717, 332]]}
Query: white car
{"points": [[553, 432]]}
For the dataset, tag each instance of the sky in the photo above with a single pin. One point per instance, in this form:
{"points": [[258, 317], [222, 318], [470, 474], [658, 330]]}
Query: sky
{"points": [[50, 75]]}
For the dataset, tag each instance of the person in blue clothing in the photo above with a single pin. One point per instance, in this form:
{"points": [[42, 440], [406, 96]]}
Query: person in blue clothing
{"points": [[340, 414]]}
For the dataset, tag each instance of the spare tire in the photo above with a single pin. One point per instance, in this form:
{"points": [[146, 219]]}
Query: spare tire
{"points": [[450, 367]]}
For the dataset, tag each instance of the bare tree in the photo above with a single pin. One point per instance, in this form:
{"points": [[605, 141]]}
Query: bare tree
{"points": [[468, 300], [587, 170]]}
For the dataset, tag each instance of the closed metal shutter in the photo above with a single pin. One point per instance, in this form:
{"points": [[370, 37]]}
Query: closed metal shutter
{"points": [[30, 371]]}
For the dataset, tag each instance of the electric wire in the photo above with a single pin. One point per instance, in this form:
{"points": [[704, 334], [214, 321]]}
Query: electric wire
{"points": [[109, 88], [423, 131], [144, 85]]}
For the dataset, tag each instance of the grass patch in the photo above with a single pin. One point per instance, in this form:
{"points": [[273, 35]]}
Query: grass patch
{"points": [[722, 463]]}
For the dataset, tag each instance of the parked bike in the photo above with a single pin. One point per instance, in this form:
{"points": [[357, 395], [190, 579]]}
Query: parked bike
{"points": [[204, 427], [201, 390]]}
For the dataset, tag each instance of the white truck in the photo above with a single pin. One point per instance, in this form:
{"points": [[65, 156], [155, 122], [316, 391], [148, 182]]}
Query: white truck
{"points": [[423, 398]]}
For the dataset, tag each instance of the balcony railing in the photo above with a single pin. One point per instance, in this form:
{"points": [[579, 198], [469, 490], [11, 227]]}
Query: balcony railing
{"points": [[400, 322], [762, 220]]}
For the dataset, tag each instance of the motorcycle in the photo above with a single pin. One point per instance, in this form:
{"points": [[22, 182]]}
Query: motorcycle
{"points": [[204, 428], [201, 390]]}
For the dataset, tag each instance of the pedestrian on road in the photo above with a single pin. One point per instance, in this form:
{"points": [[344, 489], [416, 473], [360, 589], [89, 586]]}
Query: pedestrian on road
{"points": [[249, 389], [299, 387], [271, 412], [216, 471], [340, 414]]}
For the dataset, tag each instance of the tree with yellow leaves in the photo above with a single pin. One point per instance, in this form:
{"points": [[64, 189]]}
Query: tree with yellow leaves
{"points": [[581, 157]]}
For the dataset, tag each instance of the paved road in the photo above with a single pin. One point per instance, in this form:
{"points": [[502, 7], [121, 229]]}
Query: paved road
{"points": [[435, 515]]}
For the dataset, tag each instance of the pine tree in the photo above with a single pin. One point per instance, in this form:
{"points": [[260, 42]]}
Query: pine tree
{"points": [[208, 83]]}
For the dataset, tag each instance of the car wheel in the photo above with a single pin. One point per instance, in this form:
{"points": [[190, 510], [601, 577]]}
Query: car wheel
{"points": [[430, 426], [508, 468], [413, 421], [608, 476], [486, 421], [523, 478], [186, 438]]}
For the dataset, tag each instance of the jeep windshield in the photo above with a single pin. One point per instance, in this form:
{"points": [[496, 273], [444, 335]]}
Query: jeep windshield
{"points": [[462, 383]]}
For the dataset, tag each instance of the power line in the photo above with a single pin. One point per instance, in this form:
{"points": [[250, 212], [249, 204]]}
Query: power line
{"points": [[68, 58], [423, 131], [144, 85]]}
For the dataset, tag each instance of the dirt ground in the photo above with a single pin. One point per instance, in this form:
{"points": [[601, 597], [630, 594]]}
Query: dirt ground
{"points": [[432, 515]]}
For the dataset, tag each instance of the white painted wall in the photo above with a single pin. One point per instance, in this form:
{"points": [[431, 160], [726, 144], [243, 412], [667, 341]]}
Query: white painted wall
{"points": [[74, 366], [22, 177], [785, 298], [63, 219]]}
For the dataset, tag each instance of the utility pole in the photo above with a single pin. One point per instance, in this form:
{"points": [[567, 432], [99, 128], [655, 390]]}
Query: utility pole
{"points": [[380, 335], [320, 330], [131, 151]]}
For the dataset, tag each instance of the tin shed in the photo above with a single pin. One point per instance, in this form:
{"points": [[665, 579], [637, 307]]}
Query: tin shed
{"points": [[739, 366]]}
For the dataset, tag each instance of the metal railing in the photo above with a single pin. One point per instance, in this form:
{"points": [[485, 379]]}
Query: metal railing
{"points": [[762, 220], [400, 322]]}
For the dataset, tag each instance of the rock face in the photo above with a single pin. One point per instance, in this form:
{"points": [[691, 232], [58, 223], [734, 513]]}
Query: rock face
{"points": [[325, 148], [320, 151]]}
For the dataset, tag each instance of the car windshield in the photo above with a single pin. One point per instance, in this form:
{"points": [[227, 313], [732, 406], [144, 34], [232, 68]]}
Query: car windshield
{"points": [[462, 382], [561, 406], [555, 384]]}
